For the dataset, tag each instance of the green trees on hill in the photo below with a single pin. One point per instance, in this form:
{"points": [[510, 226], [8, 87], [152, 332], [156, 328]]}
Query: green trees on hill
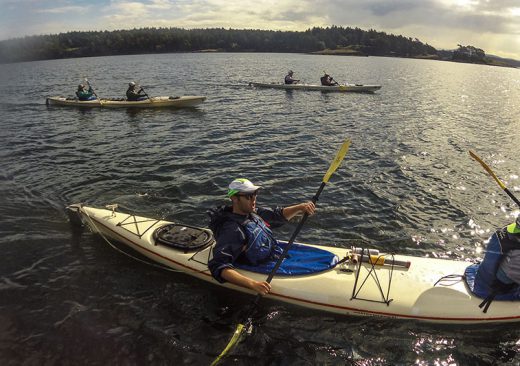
{"points": [[165, 40], [371, 42], [469, 54]]}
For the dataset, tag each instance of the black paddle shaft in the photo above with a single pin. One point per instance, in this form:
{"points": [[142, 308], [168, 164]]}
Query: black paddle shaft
{"points": [[512, 196], [146, 94], [90, 86], [291, 241]]}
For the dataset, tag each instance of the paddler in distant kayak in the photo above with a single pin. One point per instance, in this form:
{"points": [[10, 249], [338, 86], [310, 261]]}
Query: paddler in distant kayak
{"points": [[133, 94], [327, 80], [85, 95], [243, 234], [289, 78]]}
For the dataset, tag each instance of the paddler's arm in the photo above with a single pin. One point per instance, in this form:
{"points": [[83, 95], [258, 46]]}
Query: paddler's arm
{"points": [[234, 277], [306, 207]]}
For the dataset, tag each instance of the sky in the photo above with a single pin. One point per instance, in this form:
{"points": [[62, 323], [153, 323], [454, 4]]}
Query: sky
{"points": [[493, 25]]}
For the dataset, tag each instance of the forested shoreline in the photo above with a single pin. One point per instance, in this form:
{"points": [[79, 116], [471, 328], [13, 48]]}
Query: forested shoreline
{"points": [[330, 40], [167, 40]]}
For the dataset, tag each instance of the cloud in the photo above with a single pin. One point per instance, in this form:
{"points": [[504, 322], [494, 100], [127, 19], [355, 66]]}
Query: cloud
{"points": [[500, 6], [493, 25], [65, 9], [441, 23], [387, 8]]}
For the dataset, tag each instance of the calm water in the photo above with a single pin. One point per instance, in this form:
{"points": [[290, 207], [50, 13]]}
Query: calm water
{"points": [[407, 185]]}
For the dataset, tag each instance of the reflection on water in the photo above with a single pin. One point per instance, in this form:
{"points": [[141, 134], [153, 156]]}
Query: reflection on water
{"points": [[407, 185]]}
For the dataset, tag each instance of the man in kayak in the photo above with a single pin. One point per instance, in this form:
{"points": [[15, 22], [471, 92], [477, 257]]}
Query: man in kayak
{"points": [[509, 269], [132, 94], [83, 94], [289, 79], [327, 80], [243, 234], [499, 272]]}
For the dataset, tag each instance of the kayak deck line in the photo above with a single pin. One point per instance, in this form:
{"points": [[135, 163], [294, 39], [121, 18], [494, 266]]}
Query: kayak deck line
{"points": [[355, 290], [415, 295], [135, 223]]}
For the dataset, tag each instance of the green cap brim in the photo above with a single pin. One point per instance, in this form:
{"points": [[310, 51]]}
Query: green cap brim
{"points": [[232, 192]]}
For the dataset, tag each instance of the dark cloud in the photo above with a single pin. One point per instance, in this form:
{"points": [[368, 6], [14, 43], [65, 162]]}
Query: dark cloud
{"points": [[293, 15], [496, 5], [387, 8], [388, 15]]}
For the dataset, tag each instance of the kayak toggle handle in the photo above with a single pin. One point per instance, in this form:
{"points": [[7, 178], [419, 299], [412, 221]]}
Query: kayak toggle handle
{"points": [[113, 207]]}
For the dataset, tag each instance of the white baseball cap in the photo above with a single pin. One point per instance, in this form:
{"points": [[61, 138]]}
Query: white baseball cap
{"points": [[241, 185]]}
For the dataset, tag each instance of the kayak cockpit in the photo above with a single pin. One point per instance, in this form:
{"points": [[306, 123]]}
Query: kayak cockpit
{"points": [[300, 260]]}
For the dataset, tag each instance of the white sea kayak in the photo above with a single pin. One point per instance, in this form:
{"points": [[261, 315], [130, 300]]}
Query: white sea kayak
{"points": [[382, 285], [336, 88], [153, 102]]}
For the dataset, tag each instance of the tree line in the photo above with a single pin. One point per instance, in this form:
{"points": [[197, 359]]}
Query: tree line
{"points": [[168, 40]]}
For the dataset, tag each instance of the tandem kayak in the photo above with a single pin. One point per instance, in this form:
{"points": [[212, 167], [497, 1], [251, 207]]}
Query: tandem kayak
{"points": [[337, 88], [153, 102], [381, 285]]}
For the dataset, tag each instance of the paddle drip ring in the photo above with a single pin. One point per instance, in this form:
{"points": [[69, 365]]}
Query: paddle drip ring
{"points": [[187, 238]]}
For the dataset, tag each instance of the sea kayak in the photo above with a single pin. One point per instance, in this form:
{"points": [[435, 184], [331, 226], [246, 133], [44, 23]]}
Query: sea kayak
{"points": [[153, 102], [361, 283], [337, 88]]}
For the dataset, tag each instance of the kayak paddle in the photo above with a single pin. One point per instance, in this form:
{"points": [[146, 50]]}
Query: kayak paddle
{"points": [[146, 94], [237, 335], [93, 92], [493, 175], [332, 81], [90, 86]]}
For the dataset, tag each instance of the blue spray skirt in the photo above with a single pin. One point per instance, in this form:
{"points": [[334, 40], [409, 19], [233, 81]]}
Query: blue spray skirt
{"points": [[301, 260]]}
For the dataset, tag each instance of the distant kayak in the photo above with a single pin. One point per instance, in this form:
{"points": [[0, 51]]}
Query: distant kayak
{"points": [[337, 88], [153, 102]]}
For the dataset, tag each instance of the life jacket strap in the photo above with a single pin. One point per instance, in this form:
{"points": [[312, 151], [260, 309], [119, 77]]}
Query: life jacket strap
{"points": [[487, 302], [498, 288]]}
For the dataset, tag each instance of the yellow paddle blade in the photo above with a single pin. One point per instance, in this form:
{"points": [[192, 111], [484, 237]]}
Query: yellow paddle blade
{"points": [[233, 341], [488, 169], [337, 160]]}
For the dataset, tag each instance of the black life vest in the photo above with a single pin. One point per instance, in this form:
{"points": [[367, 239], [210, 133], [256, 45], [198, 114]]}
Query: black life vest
{"points": [[261, 244]]}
